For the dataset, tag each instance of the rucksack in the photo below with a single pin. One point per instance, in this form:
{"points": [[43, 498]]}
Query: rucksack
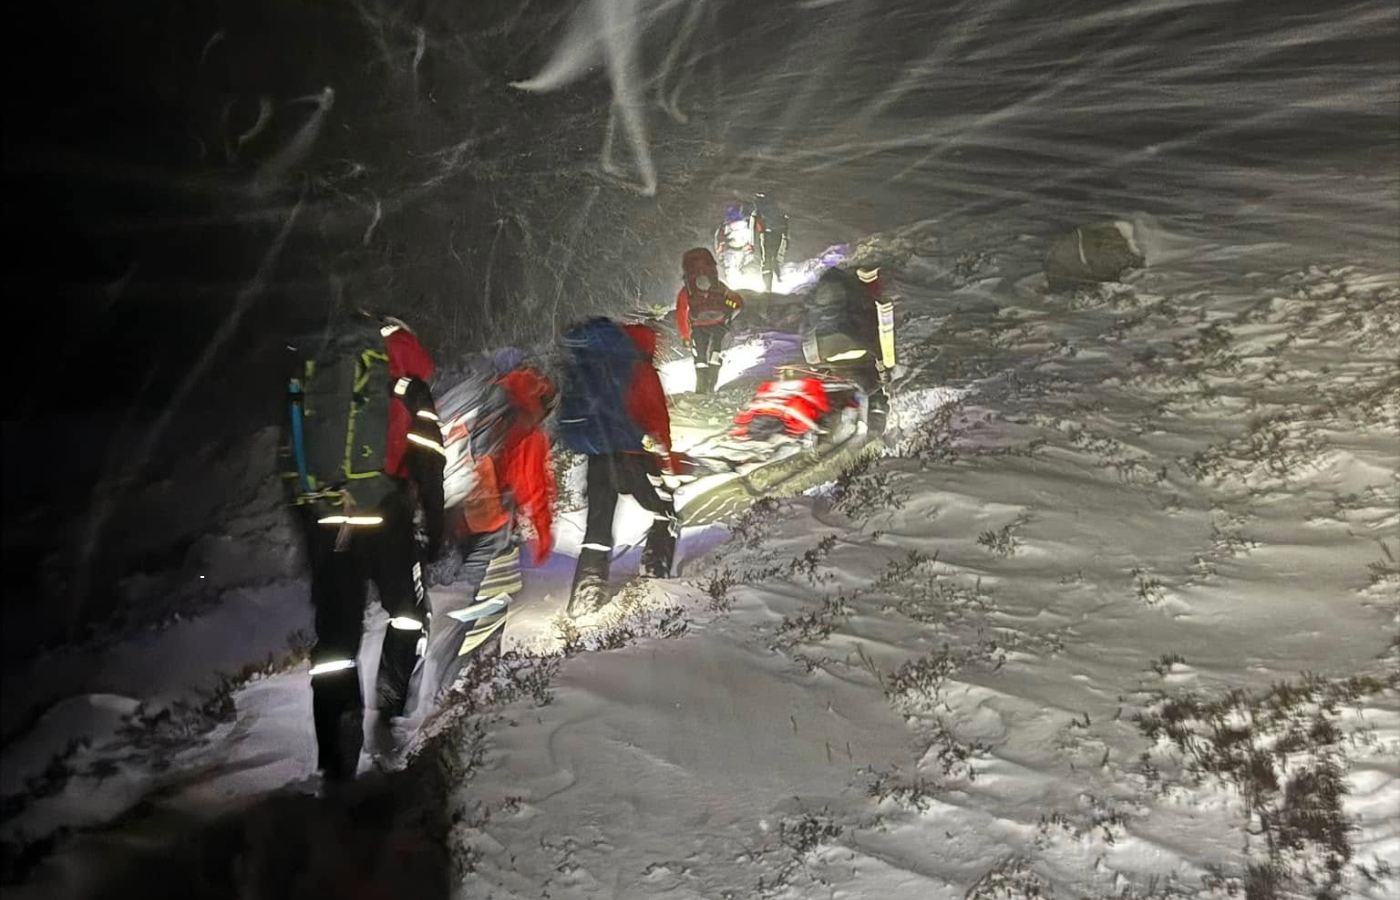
{"points": [[767, 212], [593, 417], [340, 423], [474, 412], [831, 328]]}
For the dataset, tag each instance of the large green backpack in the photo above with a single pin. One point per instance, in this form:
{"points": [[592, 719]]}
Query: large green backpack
{"points": [[340, 423]]}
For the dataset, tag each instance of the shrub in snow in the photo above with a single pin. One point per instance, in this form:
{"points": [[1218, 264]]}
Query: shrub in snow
{"points": [[1285, 754]]}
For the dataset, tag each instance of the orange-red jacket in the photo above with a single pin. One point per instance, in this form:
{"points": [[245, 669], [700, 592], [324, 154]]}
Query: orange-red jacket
{"points": [[646, 400], [706, 308], [799, 403], [519, 466], [407, 359]]}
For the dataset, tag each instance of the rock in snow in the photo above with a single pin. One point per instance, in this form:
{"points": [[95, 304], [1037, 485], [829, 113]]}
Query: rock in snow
{"points": [[1090, 254]]}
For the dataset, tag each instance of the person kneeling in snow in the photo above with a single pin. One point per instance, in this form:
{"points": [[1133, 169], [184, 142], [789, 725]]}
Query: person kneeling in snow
{"points": [[613, 410], [499, 451], [793, 407]]}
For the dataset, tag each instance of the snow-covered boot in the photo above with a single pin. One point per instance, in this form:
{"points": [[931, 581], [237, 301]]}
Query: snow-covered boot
{"points": [[660, 550], [590, 594]]}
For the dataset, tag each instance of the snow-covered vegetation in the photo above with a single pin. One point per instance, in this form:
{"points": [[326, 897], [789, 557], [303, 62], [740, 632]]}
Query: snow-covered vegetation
{"points": [[1114, 613]]}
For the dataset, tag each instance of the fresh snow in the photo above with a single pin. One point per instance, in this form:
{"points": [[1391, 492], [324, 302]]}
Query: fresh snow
{"points": [[919, 680]]}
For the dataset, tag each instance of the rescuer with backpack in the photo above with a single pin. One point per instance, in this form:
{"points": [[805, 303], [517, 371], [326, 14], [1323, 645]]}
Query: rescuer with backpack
{"points": [[498, 475], [849, 329], [613, 410], [705, 307], [768, 226], [367, 480]]}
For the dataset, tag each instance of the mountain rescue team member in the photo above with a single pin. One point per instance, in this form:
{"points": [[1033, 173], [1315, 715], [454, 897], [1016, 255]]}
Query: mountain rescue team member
{"points": [[705, 307], [734, 247], [614, 410], [768, 226], [879, 313], [877, 317], [369, 458], [512, 482]]}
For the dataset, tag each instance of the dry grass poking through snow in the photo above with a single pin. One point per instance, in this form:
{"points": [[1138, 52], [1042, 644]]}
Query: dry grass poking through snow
{"points": [[1285, 754]]}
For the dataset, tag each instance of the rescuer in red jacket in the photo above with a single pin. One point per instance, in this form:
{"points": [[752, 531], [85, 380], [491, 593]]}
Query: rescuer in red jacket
{"points": [[512, 482], [705, 307], [369, 459], [636, 472]]}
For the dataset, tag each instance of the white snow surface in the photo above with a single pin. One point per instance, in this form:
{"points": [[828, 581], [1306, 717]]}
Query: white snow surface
{"points": [[922, 683], [1182, 483]]}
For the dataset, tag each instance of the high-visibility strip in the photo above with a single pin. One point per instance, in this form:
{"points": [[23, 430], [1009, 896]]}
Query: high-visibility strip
{"points": [[428, 414], [418, 588], [401, 386], [845, 355], [405, 623], [502, 576], [333, 665], [350, 520], [602, 548], [478, 610], [885, 309], [426, 442], [387, 330], [477, 636]]}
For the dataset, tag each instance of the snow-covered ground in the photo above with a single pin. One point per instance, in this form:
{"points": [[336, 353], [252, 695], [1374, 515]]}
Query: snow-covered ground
{"points": [[948, 675], [1118, 614], [1084, 630]]}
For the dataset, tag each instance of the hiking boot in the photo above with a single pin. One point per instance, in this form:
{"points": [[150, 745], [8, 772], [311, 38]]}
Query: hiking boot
{"points": [[659, 552], [589, 596], [340, 761]]}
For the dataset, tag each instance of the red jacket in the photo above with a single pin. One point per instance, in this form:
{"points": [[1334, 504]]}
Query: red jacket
{"points": [[524, 469], [703, 309], [407, 359], [713, 307], [646, 400], [800, 403]]}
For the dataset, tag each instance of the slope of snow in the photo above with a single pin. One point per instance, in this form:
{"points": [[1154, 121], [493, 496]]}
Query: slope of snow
{"points": [[928, 682], [932, 676]]}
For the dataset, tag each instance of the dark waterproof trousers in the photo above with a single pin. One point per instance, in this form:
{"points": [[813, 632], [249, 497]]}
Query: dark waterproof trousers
{"points": [[709, 356], [637, 474], [342, 567], [771, 248], [865, 373], [490, 574]]}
